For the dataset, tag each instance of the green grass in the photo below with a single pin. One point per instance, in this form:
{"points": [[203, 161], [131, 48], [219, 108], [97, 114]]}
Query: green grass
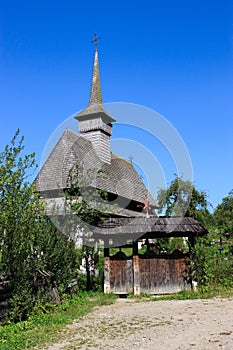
{"points": [[43, 326], [184, 295]]}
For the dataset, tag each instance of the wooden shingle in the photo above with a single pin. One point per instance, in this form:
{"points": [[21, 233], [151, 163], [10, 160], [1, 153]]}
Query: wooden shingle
{"points": [[121, 177]]}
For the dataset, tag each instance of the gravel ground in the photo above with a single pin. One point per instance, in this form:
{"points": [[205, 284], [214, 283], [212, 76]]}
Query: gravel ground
{"points": [[150, 325]]}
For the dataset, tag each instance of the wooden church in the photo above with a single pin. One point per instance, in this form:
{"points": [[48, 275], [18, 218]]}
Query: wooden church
{"points": [[133, 218]]}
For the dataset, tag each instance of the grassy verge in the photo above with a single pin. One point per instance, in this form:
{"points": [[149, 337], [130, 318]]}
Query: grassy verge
{"points": [[183, 295], [43, 326]]}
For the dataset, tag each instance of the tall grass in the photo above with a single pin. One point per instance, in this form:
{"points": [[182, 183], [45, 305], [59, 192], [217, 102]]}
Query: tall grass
{"points": [[46, 322]]}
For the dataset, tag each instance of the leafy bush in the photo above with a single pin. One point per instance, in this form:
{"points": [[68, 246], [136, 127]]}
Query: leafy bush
{"points": [[95, 260], [34, 254], [211, 268]]}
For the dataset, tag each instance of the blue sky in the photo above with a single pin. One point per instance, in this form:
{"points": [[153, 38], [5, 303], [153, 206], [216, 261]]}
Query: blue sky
{"points": [[173, 57]]}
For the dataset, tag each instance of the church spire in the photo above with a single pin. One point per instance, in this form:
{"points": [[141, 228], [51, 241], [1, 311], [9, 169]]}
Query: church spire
{"points": [[96, 94], [95, 124], [95, 109]]}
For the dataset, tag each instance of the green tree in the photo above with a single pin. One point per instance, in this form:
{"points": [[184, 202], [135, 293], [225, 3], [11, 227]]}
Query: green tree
{"points": [[183, 199], [56, 253], [33, 253], [88, 203], [223, 214], [93, 262], [89, 206], [211, 267], [19, 217]]}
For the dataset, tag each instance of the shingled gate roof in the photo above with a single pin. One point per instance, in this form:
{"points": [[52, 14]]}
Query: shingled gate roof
{"points": [[122, 229]]}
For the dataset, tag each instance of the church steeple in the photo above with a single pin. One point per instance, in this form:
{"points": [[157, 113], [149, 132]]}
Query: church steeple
{"points": [[95, 123], [96, 94]]}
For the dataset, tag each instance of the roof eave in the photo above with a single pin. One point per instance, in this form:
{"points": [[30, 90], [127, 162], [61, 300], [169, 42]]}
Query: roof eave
{"points": [[93, 112]]}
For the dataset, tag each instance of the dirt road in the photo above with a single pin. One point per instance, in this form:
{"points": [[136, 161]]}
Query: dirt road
{"points": [[153, 325]]}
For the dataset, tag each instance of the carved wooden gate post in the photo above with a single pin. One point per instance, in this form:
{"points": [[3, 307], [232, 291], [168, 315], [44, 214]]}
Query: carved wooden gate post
{"points": [[106, 271], [136, 271]]}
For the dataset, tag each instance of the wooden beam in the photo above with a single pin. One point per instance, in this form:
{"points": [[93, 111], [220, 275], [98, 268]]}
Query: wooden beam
{"points": [[136, 271], [107, 288]]}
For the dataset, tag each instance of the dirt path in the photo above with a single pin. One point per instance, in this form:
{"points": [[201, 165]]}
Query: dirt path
{"points": [[153, 325]]}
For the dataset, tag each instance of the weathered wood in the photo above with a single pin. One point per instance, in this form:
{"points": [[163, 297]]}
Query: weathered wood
{"points": [[148, 273], [121, 274], [106, 271], [161, 276], [131, 228], [136, 269], [100, 140]]}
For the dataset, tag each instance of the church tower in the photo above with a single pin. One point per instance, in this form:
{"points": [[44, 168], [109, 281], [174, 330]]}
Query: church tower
{"points": [[95, 124]]}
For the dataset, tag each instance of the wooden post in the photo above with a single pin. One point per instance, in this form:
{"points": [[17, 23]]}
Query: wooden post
{"points": [[106, 271], [192, 241], [136, 269]]}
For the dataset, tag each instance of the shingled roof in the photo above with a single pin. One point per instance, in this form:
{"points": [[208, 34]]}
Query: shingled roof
{"points": [[121, 177], [91, 150], [122, 229]]}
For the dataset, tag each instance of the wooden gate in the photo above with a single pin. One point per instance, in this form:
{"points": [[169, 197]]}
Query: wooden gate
{"points": [[162, 275], [145, 274], [120, 274]]}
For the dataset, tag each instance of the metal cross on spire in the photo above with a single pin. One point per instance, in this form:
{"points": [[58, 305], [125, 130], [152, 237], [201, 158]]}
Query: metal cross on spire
{"points": [[95, 41]]}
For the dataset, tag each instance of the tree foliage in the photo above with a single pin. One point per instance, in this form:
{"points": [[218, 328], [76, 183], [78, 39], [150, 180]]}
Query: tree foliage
{"points": [[212, 268], [183, 199], [89, 206], [33, 253], [223, 214], [93, 259], [87, 202]]}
